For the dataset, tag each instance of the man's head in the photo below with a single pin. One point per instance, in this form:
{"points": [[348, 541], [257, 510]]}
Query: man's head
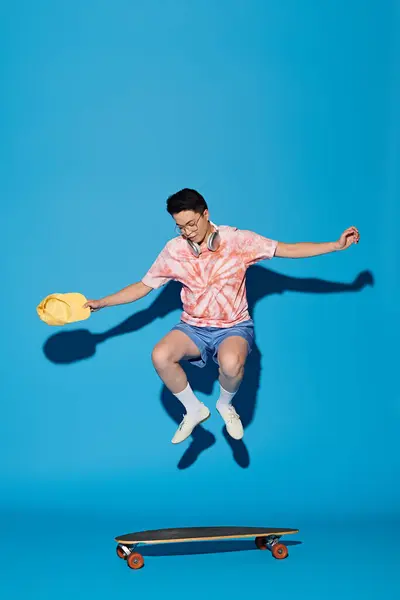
{"points": [[190, 213]]}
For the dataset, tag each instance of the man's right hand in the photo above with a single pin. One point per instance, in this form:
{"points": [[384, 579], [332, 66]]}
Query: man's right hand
{"points": [[94, 305]]}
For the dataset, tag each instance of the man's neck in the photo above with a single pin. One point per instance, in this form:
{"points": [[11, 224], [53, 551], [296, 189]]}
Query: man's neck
{"points": [[209, 230]]}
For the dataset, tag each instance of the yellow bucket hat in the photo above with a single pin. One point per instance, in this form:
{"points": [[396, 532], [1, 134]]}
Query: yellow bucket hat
{"points": [[60, 309]]}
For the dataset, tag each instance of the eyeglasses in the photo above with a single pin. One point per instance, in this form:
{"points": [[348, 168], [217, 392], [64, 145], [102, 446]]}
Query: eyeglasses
{"points": [[193, 225]]}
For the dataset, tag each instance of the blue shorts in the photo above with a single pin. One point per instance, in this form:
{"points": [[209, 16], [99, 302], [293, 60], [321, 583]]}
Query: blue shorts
{"points": [[208, 339]]}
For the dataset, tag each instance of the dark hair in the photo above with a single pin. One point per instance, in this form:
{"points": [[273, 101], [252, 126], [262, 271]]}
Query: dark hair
{"points": [[186, 199]]}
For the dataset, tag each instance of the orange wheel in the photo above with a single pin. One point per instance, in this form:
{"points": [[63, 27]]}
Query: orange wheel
{"points": [[261, 543], [279, 551], [135, 560], [121, 553]]}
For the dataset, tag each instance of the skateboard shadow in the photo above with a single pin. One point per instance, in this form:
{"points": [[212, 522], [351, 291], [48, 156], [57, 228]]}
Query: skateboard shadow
{"points": [[208, 547], [68, 347]]}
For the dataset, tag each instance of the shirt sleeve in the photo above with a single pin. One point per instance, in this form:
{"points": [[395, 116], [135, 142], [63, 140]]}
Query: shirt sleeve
{"points": [[256, 247], [161, 271]]}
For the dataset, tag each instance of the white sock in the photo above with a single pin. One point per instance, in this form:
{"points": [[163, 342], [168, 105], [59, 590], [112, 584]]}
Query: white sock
{"points": [[225, 398], [189, 400]]}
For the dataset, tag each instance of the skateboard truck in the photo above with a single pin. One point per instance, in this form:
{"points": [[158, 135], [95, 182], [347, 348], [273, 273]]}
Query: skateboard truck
{"points": [[134, 559], [123, 551], [271, 542]]}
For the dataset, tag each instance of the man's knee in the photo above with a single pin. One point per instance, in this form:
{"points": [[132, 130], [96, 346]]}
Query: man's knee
{"points": [[231, 364], [162, 356]]}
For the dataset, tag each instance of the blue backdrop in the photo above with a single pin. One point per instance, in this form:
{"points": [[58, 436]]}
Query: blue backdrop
{"points": [[284, 115]]}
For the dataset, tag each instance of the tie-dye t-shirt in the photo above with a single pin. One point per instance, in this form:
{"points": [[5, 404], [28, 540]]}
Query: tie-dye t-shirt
{"points": [[213, 292]]}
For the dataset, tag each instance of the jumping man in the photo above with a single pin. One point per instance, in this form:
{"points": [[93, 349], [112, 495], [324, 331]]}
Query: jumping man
{"points": [[211, 263]]}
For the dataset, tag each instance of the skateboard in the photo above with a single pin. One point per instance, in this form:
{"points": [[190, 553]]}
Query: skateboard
{"points": [[266, 538]]}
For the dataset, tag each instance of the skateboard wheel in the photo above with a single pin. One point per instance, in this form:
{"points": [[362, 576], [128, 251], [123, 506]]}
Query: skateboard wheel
{"points": [[261, 543], [135, 560], [121, 553], [279, 551]]}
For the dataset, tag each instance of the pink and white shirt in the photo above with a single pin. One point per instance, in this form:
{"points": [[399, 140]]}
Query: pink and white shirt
{"points": [[214, 291]]}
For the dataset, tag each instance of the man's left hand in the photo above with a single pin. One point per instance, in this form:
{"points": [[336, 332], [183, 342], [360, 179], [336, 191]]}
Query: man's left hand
{"points": [[349, 236]]}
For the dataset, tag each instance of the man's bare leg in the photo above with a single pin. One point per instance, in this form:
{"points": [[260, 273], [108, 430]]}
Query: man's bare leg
{"points": [[232, 355], [166, 356]]}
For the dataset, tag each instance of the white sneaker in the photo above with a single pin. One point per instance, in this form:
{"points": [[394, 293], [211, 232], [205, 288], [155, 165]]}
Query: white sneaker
{"points": [[232, 421], [189, 422]]}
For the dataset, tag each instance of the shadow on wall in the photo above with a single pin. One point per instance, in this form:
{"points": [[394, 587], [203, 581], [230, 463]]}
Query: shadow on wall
{"points": [[68, 347]]}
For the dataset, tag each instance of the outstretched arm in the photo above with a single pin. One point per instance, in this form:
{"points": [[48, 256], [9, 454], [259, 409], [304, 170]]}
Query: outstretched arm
{"points": [[308, 249], [128, 294]]}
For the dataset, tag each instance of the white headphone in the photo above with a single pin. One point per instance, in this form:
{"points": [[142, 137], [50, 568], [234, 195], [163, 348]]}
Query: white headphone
{"points": [[213, 242]]}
